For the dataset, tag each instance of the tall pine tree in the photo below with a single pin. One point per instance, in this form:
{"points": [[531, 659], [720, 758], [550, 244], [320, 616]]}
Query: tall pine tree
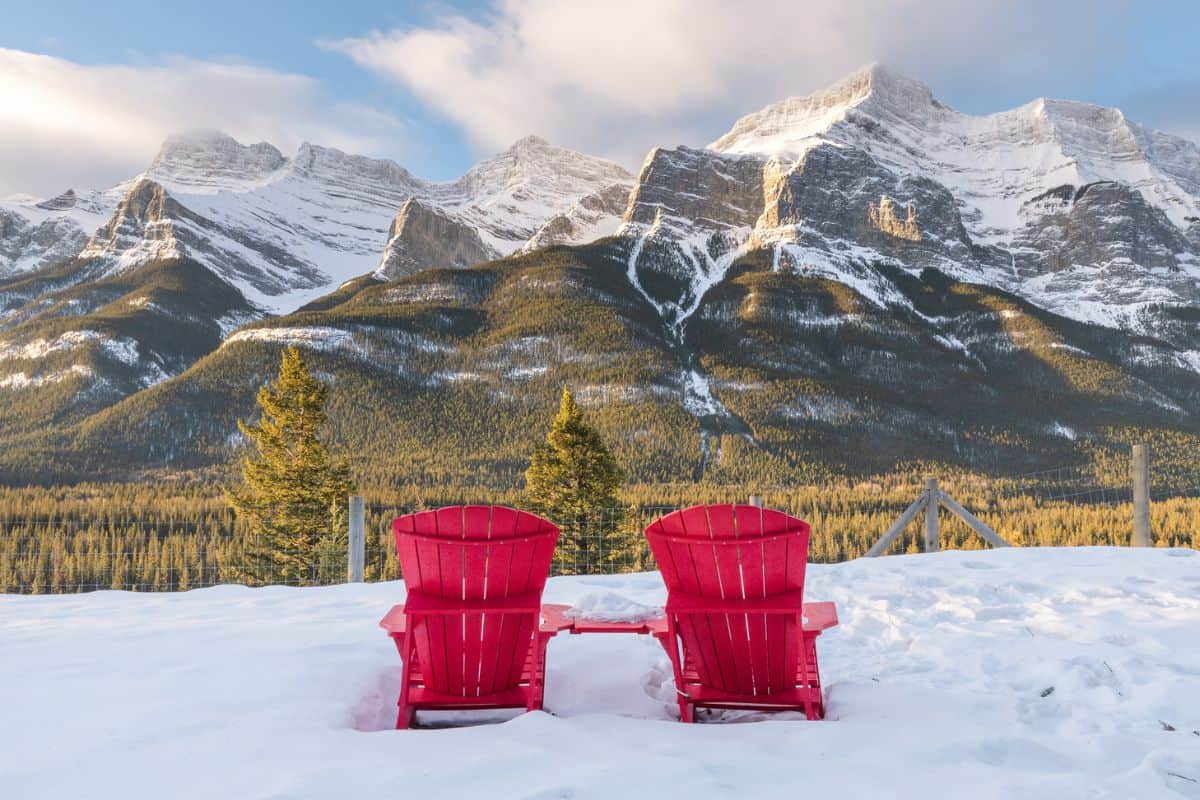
{"points": [[573, 479], [294, 494]]}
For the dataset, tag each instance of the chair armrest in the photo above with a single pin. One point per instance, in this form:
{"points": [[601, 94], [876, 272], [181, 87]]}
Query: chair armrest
{"points": [[657, 627], [682, 603], [424, 604], [554, 618], [819, 616], [395, 621]]}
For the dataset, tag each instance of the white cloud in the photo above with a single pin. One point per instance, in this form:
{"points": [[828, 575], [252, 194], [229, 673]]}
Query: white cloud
{"points": [[615, 78], [66, 124]]}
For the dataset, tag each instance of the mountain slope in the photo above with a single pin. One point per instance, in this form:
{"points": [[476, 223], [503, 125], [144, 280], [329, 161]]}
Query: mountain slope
{"points": [[86, 344], [447, 377]]}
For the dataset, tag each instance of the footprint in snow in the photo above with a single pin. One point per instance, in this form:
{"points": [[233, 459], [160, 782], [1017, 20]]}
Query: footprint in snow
{"points": [[556, 793]]}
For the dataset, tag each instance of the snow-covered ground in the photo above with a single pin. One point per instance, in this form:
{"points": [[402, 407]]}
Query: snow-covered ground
{"points": [[1015, 673]]}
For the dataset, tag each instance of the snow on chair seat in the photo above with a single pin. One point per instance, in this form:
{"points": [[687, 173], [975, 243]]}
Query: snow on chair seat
{"points": [[472, 633], [737, 630]]}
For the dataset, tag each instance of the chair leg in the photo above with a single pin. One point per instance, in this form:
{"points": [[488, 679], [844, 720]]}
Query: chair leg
{"points": [[670, 643], [407, 714], [814, 680], [537, 681], [687, 711]]}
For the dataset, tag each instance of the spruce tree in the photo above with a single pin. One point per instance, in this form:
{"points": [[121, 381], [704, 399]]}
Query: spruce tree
{"points": [[573, 479], [294, 494]]}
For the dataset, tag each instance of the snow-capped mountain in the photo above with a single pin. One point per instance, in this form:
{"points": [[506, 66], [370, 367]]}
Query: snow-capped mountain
{"points": [[286, 230], [1069, 205]]}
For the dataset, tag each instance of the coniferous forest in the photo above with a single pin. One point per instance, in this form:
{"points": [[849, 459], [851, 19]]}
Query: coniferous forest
{"points": [[167, 537]]}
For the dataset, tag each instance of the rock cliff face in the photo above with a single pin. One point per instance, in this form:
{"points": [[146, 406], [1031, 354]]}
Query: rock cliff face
{"points": [[67, 199], [884, 217], [1096, 224], [688, 213], [423, 236], [35, 235]]}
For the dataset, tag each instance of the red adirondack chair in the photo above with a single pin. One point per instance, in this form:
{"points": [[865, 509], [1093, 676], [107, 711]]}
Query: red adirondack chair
{"points": [[737, 630], [472, 632]]}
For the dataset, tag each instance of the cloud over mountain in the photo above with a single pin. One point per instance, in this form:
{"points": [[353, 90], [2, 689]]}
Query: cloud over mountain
{"points": [[616, 78], [62, 123]]}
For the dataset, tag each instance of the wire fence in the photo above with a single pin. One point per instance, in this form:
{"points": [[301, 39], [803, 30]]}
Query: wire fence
{"points": [[1063, 506]]}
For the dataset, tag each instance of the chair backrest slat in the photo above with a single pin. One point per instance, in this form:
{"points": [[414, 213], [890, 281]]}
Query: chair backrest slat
{"points": [[473, 553], [728, 552]]}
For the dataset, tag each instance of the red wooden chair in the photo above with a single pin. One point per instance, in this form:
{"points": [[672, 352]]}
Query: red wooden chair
{"points": [[472, 633], [736, 629]]}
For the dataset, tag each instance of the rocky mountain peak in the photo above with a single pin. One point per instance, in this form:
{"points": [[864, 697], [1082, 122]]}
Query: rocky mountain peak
{"points": [[141, 228], [331, 164], [211, 159], [790, 126], [547, 170], [881, 84], [61, 202], [529, 144]]}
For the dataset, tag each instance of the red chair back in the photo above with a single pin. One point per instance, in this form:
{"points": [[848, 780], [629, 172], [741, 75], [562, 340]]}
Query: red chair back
{"points": [[485, 568], [715, 556]]}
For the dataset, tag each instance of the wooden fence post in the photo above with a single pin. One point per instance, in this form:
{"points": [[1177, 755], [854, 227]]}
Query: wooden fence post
{"points": [[356, 555], [986, 533], [929, 501], [933, 534], [1141, 496], [910, 513]]}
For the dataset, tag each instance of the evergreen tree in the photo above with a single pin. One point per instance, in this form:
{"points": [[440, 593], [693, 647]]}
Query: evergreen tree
{"points": [[294, 494], [573, 479]]}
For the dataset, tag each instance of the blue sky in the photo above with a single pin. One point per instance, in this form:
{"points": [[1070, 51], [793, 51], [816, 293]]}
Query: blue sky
{"points": [[88, 89]]}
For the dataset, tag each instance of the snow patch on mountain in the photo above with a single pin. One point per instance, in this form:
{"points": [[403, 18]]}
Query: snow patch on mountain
{"points": [[118, 349], [317, 337], [23, 380]]}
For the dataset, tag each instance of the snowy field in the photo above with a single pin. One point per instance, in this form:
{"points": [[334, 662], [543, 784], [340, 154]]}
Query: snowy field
{"points": [[1014, 673]]}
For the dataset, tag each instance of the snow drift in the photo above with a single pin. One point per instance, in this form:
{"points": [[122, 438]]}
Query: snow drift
{"points": [[1016, 673]]}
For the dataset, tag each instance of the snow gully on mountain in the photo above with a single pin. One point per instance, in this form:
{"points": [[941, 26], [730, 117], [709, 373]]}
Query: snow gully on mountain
{"points": [[698, 397]]}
